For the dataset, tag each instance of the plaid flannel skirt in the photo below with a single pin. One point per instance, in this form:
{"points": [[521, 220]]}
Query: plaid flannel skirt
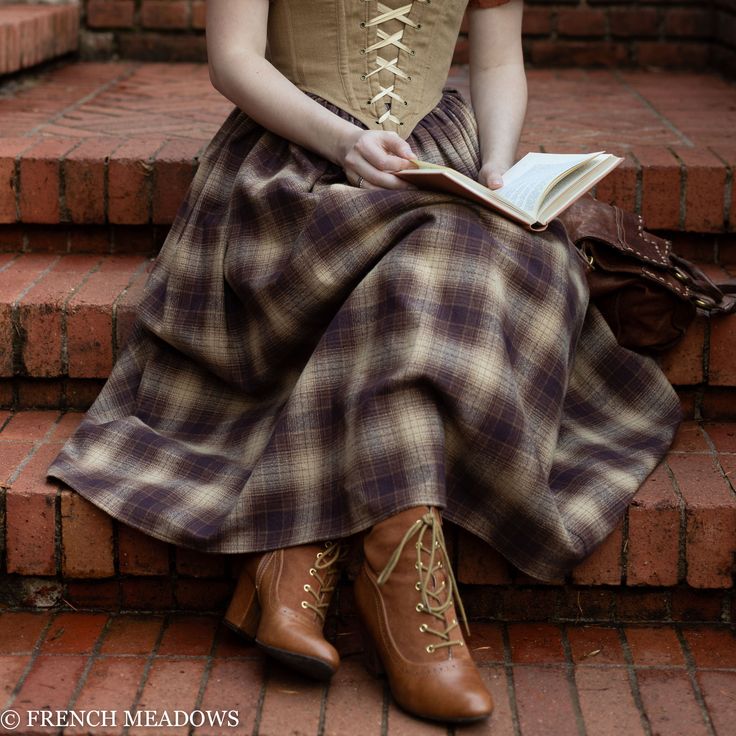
{"points": [[310, 357]]}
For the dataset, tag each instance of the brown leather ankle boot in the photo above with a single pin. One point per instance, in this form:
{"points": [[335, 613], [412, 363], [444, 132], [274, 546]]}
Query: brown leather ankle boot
{"points": [[405, 595], [281, 600]]}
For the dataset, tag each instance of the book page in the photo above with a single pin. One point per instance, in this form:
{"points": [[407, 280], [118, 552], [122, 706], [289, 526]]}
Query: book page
{"points": [[526, 182]]}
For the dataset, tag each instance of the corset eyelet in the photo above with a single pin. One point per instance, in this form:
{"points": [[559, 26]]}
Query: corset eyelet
{"points": [[388, 63]]}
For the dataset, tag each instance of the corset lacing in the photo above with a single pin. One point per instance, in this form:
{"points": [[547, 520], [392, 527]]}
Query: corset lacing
{"points": [[385, 15]]}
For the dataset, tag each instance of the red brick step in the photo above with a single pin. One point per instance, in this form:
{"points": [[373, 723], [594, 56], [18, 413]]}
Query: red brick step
{"points": [[35, 32], [63, 319], [548, 679], [679, 537], [117, 143]]}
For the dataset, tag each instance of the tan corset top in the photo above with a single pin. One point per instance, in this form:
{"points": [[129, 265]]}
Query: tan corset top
{"points": [[383, 62]]}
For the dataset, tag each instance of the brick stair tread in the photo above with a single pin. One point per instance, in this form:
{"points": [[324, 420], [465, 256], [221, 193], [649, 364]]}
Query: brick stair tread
{"points": [[680, 528], [36, 32], [548, 679], [84, 129], [67, 315]]}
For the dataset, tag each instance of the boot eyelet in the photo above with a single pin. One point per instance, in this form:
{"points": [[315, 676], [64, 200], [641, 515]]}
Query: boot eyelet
{"points": [[417, 545], [319, 555], [304, 604], [307, 588], [417, 585], [423, 628], [419, 607], [430, 648], [312, 571]]}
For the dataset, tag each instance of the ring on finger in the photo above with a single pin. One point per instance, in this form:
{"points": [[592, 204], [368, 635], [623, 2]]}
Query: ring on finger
{"points": [[359, 183]]}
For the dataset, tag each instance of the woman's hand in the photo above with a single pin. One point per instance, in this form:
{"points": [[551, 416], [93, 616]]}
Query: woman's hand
{"points": [[370, 156], [491, 175]]}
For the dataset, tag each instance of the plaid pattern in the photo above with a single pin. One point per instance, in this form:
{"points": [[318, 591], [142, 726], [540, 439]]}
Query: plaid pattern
{"points": [[310, 358]]}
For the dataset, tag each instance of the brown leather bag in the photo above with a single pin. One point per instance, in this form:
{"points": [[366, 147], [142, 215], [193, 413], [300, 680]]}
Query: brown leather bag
{"points": [[647, 294]]}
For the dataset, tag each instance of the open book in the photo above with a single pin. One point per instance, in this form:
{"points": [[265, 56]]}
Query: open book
{"points": [[535, 189]]}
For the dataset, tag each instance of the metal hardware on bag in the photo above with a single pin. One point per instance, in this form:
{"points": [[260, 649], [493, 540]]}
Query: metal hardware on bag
{"points": [[680, 275]]}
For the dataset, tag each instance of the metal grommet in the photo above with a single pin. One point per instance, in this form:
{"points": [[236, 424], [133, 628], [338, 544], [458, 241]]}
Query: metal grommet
{"points": [[430, 648], [363, 77], [304, 604], [419, 607], [423, 628]]}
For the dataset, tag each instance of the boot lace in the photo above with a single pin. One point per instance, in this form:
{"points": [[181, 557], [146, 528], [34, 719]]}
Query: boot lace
{"points": [[324, 571], [434, 600], [385, 39]]}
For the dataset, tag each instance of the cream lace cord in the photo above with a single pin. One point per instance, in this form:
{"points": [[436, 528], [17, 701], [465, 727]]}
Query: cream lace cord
{"points": [[325, 573], [434, 600], [386, 14]]}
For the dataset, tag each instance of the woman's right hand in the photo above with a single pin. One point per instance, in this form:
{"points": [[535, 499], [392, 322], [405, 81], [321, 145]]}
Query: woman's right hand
{"points": [[370, 156]]}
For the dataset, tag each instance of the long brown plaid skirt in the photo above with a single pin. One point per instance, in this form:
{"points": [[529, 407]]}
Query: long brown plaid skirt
{"points": [[310, 357]]}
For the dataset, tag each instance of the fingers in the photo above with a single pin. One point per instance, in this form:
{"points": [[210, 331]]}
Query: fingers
{"points": [[374, 156]]}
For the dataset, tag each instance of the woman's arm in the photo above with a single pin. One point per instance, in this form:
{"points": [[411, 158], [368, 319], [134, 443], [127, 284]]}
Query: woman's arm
{"points": [[497, 85], [236, 45]]}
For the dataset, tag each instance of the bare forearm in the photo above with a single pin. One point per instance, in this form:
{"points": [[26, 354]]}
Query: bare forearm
{"points": [[270, 99], [497, 85], [499, 97]]}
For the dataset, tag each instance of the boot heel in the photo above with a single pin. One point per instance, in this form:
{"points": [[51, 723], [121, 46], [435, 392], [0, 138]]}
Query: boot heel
{"points": [[371, 660], [244, 611]]}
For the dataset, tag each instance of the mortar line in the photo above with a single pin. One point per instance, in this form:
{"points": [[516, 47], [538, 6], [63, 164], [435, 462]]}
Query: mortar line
{"points": [[261, 698], [660, 116], [634, 682], [34, 449], [91, 659], [728, 190], [64, 311], [691, 669], [204, 679], [147, 670], [35, 652], [510, 685], [681, 545], [17, 347], [87, 98], [571, 681]]}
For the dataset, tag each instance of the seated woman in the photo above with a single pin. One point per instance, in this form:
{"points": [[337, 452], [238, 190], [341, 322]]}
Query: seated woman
{"points": [[323, 351]]}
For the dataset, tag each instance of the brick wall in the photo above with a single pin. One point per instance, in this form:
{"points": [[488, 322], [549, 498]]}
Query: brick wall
{"points": [[661, 33], [161, 30], [645, 33], [724, 36]]}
